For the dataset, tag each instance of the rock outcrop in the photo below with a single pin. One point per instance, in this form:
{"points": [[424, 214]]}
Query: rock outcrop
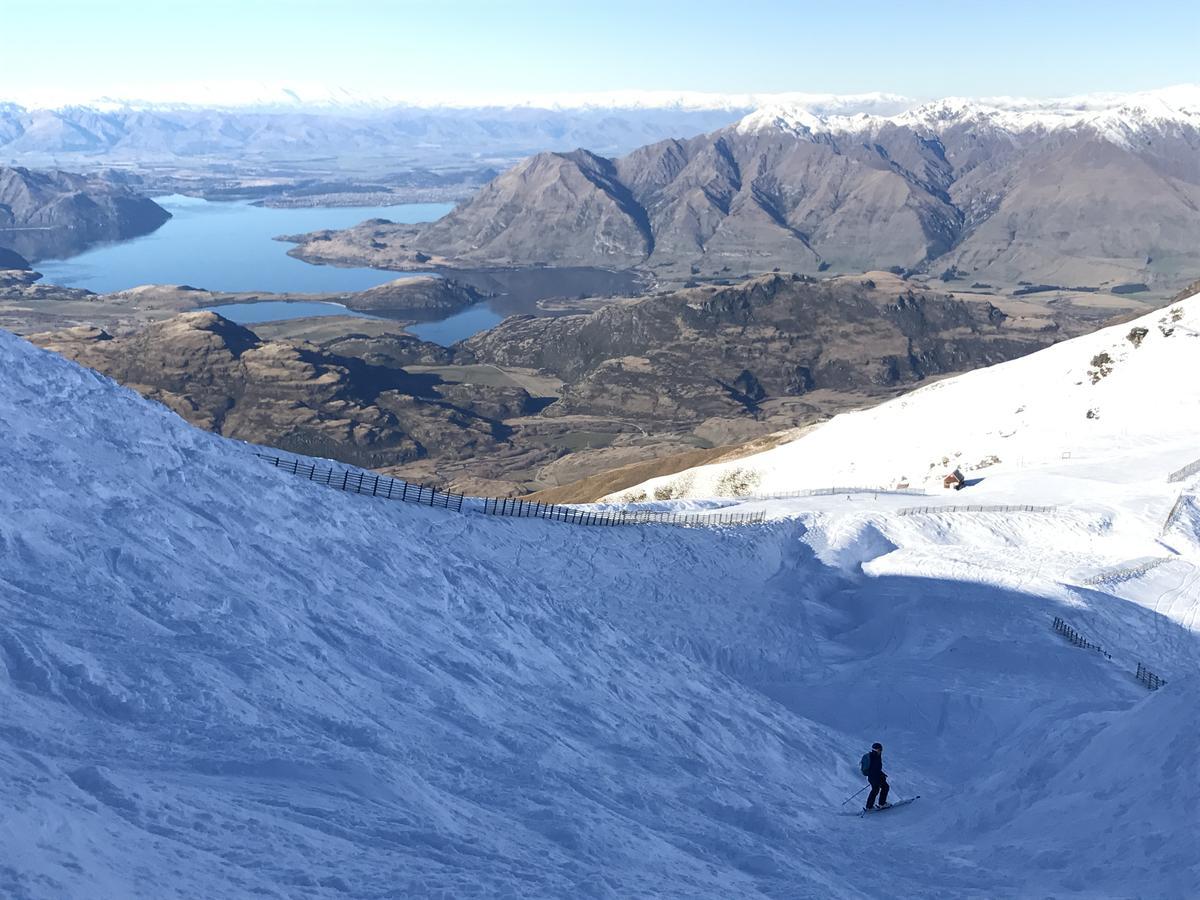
{"points": [[422, 293]]}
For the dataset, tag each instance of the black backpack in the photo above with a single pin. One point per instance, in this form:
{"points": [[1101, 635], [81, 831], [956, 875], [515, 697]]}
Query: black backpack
{"points": [[865, 763]]}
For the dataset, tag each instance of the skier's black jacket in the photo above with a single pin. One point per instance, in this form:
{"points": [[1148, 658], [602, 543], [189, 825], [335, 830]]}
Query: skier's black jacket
{"points": [[875, 767]]}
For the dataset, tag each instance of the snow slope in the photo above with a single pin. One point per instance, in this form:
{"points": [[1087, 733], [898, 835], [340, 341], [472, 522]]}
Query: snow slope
{"points": [[1108, 404], [219, 680]]}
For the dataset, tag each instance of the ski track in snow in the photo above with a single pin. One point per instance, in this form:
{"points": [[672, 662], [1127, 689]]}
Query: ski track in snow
{"points": [[222, 681]]}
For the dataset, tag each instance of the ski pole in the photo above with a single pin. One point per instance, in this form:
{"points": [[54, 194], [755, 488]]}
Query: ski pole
{"points": [[855, 794]]}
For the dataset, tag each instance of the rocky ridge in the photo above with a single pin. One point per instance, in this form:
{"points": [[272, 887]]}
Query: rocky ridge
{"points": [[1098, 198], [764, 349], [47, 214], [298, 397]]}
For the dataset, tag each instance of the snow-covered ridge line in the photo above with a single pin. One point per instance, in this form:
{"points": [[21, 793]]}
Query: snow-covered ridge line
{"points": [[1111, 114]]}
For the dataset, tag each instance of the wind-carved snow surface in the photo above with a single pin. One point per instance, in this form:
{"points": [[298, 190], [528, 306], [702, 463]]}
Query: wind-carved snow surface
{"points": [[222, 681], [1117, 118]]}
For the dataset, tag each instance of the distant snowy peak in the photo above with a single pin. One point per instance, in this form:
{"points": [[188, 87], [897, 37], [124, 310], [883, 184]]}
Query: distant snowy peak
{"points": [[248, 95], [1116, 117]]}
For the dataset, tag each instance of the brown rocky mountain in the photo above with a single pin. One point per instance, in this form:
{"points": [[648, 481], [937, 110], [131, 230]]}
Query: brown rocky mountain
{"points": [[543, 402], [53, 214], [221, 377], [979, 193], [772, 348]]}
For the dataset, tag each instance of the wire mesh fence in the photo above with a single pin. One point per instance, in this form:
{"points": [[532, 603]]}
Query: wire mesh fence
{"points": [[834, 491], [577, 516], [1076, 638], [923, 510], [1148, 678], [1174, 514], [372, 485], [1186, 472], [1144, 675], [1125, 573], [361, 482]]}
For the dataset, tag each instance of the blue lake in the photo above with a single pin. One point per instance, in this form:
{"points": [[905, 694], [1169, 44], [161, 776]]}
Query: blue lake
{"points": [[229, 246], [461, 325], [444, 331]]}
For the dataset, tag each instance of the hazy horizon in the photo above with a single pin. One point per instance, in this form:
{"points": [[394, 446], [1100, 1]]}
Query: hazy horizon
{"points": [[266, 96], [526, 48]]}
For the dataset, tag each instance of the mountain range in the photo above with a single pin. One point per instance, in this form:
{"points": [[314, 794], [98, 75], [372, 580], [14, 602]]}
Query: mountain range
{"points": [[393, 136], [260, 96], [1100, 191]]}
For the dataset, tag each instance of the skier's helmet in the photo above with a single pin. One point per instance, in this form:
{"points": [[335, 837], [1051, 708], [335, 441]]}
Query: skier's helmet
{"points": [[877, 746]]}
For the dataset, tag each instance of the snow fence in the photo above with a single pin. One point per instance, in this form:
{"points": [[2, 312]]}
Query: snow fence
{"points": [[382, 487]]}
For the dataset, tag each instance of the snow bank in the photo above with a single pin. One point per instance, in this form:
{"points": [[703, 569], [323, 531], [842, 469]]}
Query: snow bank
{"points": [[220, 680]]}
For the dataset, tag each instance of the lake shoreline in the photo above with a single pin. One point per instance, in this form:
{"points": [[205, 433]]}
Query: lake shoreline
{"points": [[231, 250], [229, 246]]}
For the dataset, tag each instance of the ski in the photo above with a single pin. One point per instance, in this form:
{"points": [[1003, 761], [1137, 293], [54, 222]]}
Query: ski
{"points": [[905, 802]]}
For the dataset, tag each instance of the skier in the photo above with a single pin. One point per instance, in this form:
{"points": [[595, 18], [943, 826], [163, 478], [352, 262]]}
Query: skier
{"points": [[877, 777]]}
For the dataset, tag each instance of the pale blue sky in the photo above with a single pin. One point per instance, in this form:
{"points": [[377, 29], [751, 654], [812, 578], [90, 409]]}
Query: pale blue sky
{"points": [[923, 49]]}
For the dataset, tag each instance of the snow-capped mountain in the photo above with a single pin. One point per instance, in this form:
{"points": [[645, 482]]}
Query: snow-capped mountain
{"points": [[1094, 192], [254, 120], [221, 680], [1115, 117], [1123, 391]]}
